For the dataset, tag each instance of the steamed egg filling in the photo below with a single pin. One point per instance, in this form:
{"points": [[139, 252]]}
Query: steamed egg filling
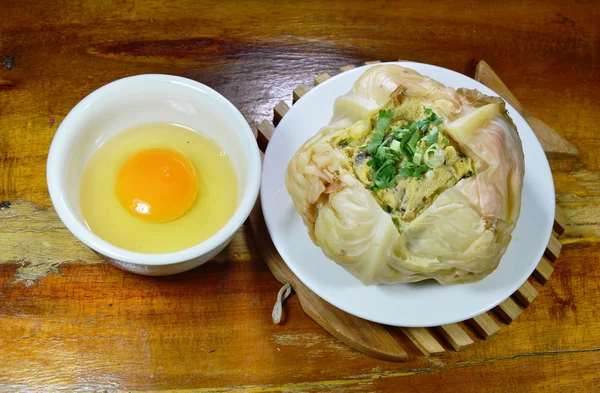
{"points": [[405, 156]]}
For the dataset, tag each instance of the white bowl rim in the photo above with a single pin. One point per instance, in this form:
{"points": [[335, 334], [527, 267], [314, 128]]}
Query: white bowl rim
{"points": [[56, 166]]}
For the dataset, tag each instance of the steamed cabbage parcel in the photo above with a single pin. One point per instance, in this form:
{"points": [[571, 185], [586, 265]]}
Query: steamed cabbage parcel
{"points": [[411, 180]]}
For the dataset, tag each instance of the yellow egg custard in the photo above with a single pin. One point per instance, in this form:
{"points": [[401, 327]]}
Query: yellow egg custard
{"points": [[158, 188]]}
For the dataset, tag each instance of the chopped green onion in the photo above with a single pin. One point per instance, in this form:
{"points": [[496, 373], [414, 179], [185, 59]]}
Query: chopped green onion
{"points": [[403, 148], [412, 143], [386, 157], [434, 156], [382, 124], [446, 141], [432, 137], [417, 158]]}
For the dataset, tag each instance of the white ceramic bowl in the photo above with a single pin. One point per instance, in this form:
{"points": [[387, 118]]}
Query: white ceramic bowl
{"points": [[147, 99]]}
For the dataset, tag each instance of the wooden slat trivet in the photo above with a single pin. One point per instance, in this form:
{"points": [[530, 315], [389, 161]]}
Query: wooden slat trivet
{"points": [[374, 339], [526, 294], [553, 250], [560, 221], [543, 271], [265, 132], [347, 68], [456, 336], [321, 78], [484, 325], [424, 341], [280, 110], [299, 92], [508, 311]]}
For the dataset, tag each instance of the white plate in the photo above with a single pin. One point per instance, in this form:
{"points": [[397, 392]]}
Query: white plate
{"points": [[413, 305]]}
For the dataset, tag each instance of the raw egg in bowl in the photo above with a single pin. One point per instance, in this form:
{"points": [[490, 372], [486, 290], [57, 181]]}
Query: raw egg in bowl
{"points": [[155, 173]]}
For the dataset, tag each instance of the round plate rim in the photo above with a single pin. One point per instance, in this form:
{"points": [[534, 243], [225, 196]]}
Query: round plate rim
{"points": [[276, 240]]}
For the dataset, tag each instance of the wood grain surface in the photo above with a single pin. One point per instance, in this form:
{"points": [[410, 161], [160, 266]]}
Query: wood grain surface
{"points": [[553, 144], [367, 337], [70, 322]]}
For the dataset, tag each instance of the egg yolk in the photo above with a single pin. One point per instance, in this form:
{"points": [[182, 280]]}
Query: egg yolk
{"points": [[157, 185]]}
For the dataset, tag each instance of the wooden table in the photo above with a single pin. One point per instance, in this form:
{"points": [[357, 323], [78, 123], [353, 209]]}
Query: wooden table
{"points": [[70, 322]]}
